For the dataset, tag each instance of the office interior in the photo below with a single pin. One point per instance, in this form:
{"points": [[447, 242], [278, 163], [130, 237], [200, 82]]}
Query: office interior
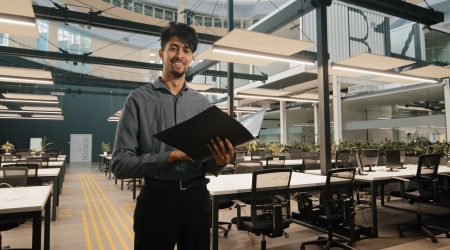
{"points": [[381, 76]]}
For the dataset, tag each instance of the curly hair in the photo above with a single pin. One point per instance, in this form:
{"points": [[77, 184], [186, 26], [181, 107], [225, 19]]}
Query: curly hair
{"points": [[182, 31]]}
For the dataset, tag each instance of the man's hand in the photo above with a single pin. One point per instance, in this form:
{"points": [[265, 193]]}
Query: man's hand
{"points": [[222, 150], [177, 155]]}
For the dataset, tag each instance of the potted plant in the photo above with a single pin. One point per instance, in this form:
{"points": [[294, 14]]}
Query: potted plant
{"points": [[8, 147], [105, 148], [44, 144]]}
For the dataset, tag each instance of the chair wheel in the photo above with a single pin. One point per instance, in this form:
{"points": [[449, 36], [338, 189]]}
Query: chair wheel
{"points": [[229, 226], [225, 234], [286, 234], [434, 240]]}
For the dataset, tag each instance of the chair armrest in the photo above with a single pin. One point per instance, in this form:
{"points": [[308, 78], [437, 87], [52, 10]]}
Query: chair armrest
{"points": [[280, 198], [239, 203]]}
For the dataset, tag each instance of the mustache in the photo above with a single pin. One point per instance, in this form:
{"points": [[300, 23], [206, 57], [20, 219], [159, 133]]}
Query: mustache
{"points": [[176, 59]]}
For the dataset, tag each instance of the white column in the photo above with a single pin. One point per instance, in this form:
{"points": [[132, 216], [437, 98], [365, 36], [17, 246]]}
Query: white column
{"points": [[337, 114], [283, 120], [447, 107], [180, 13], [316, 124]]}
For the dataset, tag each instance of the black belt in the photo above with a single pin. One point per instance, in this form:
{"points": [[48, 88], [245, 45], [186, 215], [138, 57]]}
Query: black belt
{"points": [[176, 184]]}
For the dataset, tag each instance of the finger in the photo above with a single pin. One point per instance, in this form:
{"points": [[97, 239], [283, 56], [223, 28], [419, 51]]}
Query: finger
{"points": [[229, 146], [213, 152], [221, 146], [214, 146]]}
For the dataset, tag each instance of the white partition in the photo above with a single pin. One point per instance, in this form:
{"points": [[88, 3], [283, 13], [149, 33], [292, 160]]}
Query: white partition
{"points": [[80, 147]]}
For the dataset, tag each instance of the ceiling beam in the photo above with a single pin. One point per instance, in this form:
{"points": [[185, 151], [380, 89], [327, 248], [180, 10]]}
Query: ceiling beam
{"points": [[91, 19], [52, 55], [286, 13], [401, 9]]}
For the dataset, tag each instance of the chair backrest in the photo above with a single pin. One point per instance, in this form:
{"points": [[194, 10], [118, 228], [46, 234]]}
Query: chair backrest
{"points": [[270, 200], [345, 159], [426, 176], [310, 160], [32, 171], [243, 167], [393, 159], [15, 176], [275, 161], [260, 155], [338, 201], [295, 155]]}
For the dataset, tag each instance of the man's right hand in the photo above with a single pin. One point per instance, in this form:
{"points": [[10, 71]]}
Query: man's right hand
{"points": [[177, 155]]}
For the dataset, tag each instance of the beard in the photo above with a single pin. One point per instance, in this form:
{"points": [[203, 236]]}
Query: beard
{"points": [[177, 74]]}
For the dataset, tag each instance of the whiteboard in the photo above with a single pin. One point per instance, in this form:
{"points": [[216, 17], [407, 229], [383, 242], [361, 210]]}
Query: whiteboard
{"points": [[35, 144]]}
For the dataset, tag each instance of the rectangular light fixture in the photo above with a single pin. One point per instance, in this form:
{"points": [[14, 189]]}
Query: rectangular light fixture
{"points": [[32, 112], [276, 98], [25, 80], [113, 119], [212, 93], [260, 55], [55, 117], [118, 113], [382, 73], [3, 115], [3, 107], [28, 98], [46, 109], [17, 20]]}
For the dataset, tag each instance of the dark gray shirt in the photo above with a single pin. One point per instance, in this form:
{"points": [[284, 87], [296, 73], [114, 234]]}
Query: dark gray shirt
{"points": [[148, 110]]}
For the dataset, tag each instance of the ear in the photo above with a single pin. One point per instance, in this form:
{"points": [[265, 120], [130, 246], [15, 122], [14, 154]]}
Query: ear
{"points": [[160, 54]]}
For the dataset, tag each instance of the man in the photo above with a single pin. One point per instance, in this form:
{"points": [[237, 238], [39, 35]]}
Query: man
{"points": [[173, 205]]}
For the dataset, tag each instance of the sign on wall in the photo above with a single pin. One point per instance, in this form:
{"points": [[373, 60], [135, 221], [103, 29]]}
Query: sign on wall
{"points": [[80, 147]]}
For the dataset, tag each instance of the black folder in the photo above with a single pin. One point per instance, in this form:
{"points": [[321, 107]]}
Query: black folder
{"points": [[193, 135]]}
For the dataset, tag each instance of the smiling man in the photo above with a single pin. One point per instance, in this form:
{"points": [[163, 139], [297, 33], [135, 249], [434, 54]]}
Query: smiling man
{"points": [[173, 205]]}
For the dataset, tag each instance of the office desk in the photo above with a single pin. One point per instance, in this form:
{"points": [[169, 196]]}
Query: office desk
{"points": [[48, 174], [236, 185], [28, 203], [379, 178]]}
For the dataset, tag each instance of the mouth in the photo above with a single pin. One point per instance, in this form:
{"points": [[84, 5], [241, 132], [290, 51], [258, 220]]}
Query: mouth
{"points": [[177, 63]]}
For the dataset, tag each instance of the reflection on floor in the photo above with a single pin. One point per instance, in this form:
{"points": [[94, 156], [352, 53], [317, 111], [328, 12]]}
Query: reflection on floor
{"points": [[95, 214]]}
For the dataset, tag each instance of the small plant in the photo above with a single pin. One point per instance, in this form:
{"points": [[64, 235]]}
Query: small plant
{"points": [[45, 143], [106, 147], [8, 147]]}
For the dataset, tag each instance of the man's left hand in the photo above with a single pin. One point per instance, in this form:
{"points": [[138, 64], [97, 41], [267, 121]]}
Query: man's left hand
{"points": [[222, 150]]}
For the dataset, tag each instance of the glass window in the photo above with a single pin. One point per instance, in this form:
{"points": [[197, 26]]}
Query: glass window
{"points": [[237, 23], [106, 1], [247, 23], [4, 38], [159, 13], [217, 22], [208, 21], [198, 20], [168, 15], [148, 10], [117, 2], [138, 7], [225, 23], [128, 4]]}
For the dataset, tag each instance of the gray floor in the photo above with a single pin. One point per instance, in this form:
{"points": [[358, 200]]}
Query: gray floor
{"points": [[95, 214]]}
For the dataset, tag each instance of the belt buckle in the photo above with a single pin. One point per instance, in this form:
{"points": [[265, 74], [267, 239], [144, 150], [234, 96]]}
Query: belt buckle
{"points": [[181, 186]]}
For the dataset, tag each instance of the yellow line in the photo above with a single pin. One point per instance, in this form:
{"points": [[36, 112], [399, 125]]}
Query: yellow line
{"points": [[127, 215], [86, 231], [126, 227], [102, 198], [91, 215], [100, 216]]}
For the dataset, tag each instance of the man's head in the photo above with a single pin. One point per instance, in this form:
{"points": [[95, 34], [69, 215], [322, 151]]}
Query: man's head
{"points": [[178, 44]]}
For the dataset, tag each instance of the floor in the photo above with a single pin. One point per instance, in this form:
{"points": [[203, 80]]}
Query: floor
{"points": [[95, 214]]}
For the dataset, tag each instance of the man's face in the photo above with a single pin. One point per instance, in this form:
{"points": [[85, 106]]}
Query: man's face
{"points": [[176, 57]]}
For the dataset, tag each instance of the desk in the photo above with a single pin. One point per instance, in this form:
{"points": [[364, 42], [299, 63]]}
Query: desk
{"points": [[30, 204], [236, 185], [380, 177], [48, 174]]}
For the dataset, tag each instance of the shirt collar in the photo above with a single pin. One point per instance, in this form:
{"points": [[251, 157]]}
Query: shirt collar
{"points": [[159, 84]]}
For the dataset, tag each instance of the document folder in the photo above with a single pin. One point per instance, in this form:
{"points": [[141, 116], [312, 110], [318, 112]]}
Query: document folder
{"points": [[193, 135]]}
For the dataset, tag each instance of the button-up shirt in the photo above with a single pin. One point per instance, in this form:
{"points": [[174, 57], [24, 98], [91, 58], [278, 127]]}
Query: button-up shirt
{"points": [[148, 110]]}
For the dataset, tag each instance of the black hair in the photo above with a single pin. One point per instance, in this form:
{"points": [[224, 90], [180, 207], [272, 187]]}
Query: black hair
{"points": [[183, 31]]}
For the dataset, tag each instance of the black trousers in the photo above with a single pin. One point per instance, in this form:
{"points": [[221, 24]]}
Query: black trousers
{"points": [[165, 217]]}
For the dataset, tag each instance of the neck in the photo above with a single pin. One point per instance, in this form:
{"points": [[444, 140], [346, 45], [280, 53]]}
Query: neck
{"points": [[174, 85]]}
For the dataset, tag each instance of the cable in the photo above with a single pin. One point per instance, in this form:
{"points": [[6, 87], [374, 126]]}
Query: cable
{"points": [[57, 5], [428, 5], [60, 49], [109, 44]]}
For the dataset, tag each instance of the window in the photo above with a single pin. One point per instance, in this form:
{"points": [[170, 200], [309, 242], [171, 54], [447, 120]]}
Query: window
{"points": [[237, 24], [117, 2], [168, 15], [138, 7], [107, 1], [198, 20], [41, 42], [128, 4], [217, 22], [4, 39], [208, 21], [159, 13], [148, 10], [247, 23], [225, 23]]}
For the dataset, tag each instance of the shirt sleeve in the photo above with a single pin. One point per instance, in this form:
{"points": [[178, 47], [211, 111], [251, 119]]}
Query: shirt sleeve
{"points": [[126, 161]]}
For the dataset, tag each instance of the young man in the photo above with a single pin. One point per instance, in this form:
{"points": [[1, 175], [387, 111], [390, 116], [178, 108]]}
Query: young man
{"points": [[173, 205]]}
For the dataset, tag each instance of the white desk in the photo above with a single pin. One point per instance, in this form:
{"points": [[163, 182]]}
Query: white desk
{"points": [[233, 186], [47, 174], [29, 204]]}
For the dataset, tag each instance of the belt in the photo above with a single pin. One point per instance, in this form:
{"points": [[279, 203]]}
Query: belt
{"points": [[176, 184]]}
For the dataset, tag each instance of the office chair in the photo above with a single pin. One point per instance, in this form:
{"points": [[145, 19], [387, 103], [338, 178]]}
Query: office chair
{"points": [[270, 204], [16, 177], [260, 154], [31, 179], [369, 158], [242, 167], [337, 208], [427, 191], [310, 161], [274, 162], [394, 159], [345, 159]]}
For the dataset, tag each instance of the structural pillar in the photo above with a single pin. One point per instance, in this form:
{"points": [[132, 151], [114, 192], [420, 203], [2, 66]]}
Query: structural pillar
{"points": [[283, 121], [337, 110], [447, 108]]}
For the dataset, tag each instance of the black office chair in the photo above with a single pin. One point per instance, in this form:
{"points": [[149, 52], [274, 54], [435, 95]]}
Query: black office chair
{"points": [[368, 158], [427, 191], [337, 208], [310, 161], [394, 159], [16, 177], [270, 204], [243, 167], [275, 162], [345, 159]]}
